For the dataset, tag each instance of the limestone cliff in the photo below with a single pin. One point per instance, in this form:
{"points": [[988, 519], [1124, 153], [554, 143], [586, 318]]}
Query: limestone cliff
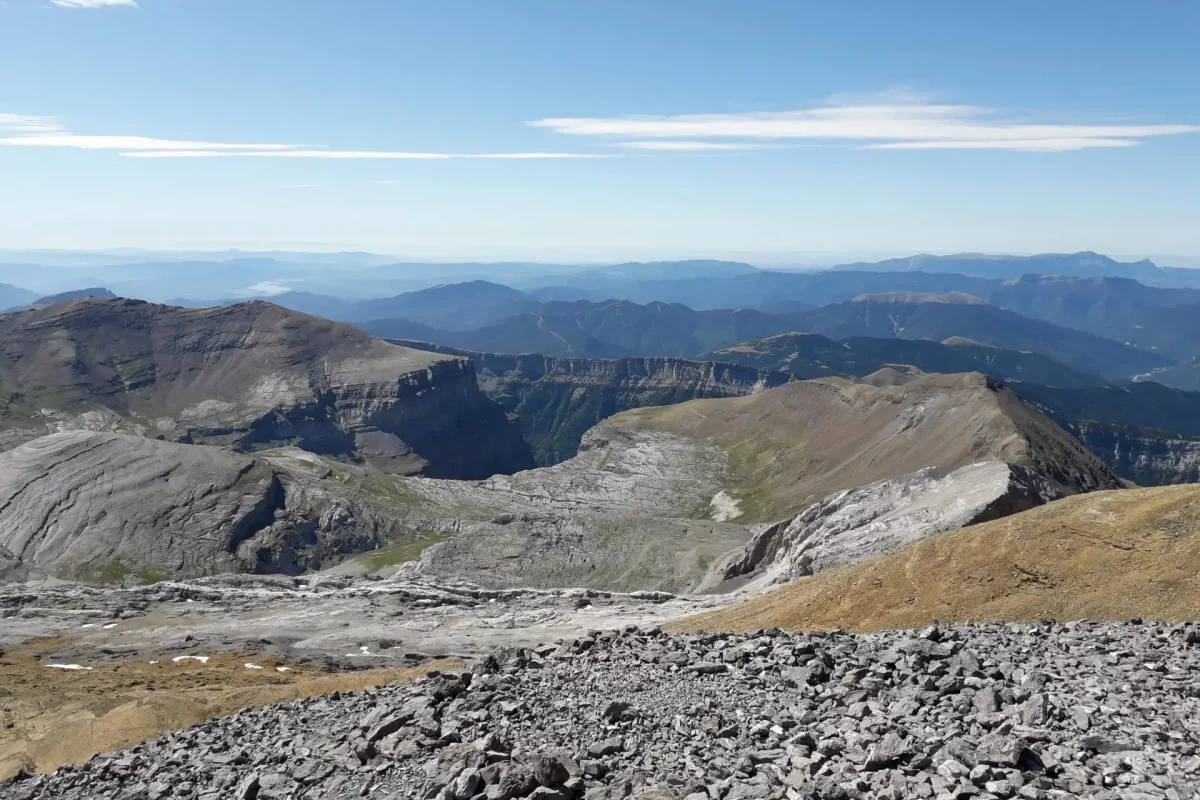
{"points": [[1144, 456], [249, 376], [557, 399]]}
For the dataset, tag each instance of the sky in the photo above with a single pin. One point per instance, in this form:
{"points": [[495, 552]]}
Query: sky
{"points": [[627, 129]]}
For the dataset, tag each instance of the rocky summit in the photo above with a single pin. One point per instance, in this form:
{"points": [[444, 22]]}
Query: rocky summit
{"points": [[983, 711]]}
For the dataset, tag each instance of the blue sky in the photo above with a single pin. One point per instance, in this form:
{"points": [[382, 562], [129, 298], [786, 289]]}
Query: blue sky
{"points": [[588, 130]]}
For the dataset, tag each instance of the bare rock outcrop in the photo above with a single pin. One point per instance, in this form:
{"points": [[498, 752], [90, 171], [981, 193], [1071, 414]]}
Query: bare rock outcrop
{"points": [[858, 524], [113, 508], [624, 514]]}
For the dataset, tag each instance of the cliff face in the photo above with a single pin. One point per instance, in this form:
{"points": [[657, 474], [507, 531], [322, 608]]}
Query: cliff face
{"points": [[249, 376], [558, 399], [1146, 457]]}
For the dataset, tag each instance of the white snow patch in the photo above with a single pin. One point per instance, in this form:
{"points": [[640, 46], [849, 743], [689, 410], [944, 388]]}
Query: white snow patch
{"points": [[110, 626], [251, 666], [724, 507], [88, 625], [153, 662], [283, 669], [201, 659], [67, 666]]}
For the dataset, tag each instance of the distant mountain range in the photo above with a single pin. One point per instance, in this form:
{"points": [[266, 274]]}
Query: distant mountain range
{"points": [[618, 329], [197, 279], [905, 317], [1085, 264], [12, 296], [612, 329], [810, 355]]}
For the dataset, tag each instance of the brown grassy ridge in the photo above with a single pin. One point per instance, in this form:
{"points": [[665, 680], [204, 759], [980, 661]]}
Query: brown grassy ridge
{"points": [[794, 444], [50, 717], [1106, 555]]}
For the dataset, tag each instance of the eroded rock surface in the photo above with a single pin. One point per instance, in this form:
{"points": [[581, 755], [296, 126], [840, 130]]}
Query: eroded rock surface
{"points": [[109, 507], [987, 711], [627, 513], [858, 524]]}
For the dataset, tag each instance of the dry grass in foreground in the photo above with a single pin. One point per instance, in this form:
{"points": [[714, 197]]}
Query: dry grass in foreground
{"points": [[1106, 555], [50, 717]]}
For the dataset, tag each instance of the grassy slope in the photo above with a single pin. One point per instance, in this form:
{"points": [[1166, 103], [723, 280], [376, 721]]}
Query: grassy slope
{"points": [[1106, 555], [794, 444]]}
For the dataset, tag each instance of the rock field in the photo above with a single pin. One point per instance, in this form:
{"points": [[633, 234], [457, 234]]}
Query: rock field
{"points": [[1045, 710]]}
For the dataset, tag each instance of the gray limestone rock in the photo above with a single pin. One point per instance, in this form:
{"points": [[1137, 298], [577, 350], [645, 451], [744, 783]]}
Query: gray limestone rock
{"points": [[882, 517], [740, 733]]}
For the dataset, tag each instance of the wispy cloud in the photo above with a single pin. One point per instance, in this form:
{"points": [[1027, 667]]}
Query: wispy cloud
{"points": [[269, 288], [131, 143], [47, 132], [351, 155], [24, 123], [93, 3], [689, 146], [903, 121]]}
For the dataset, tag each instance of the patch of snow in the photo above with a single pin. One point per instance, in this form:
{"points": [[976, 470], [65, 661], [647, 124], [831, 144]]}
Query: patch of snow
{"points": [[153, 662], [88, 625], [68, 666], [248, 665], [283, 669], [724, 507], [201, 659], [110, 626]]}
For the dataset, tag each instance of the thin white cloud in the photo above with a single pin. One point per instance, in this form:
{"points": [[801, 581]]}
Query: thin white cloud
{"points": [[268, 288], [44, 132], [688, 146], [93, 3], [347, 155], [1032, 145], [27, 124], [83, 142], [894, 124]]}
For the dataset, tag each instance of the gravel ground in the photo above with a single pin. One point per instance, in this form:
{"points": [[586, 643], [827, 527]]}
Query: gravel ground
{"points": [[979, 711]]}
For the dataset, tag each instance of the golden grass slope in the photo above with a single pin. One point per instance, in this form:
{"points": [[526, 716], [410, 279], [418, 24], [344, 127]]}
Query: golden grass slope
{"points": [[792, 445], [1107, 555], [50, 717]]}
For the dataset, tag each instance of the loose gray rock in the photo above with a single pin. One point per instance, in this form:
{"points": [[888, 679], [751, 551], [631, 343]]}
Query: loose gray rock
{"points": [[892, 715]]}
